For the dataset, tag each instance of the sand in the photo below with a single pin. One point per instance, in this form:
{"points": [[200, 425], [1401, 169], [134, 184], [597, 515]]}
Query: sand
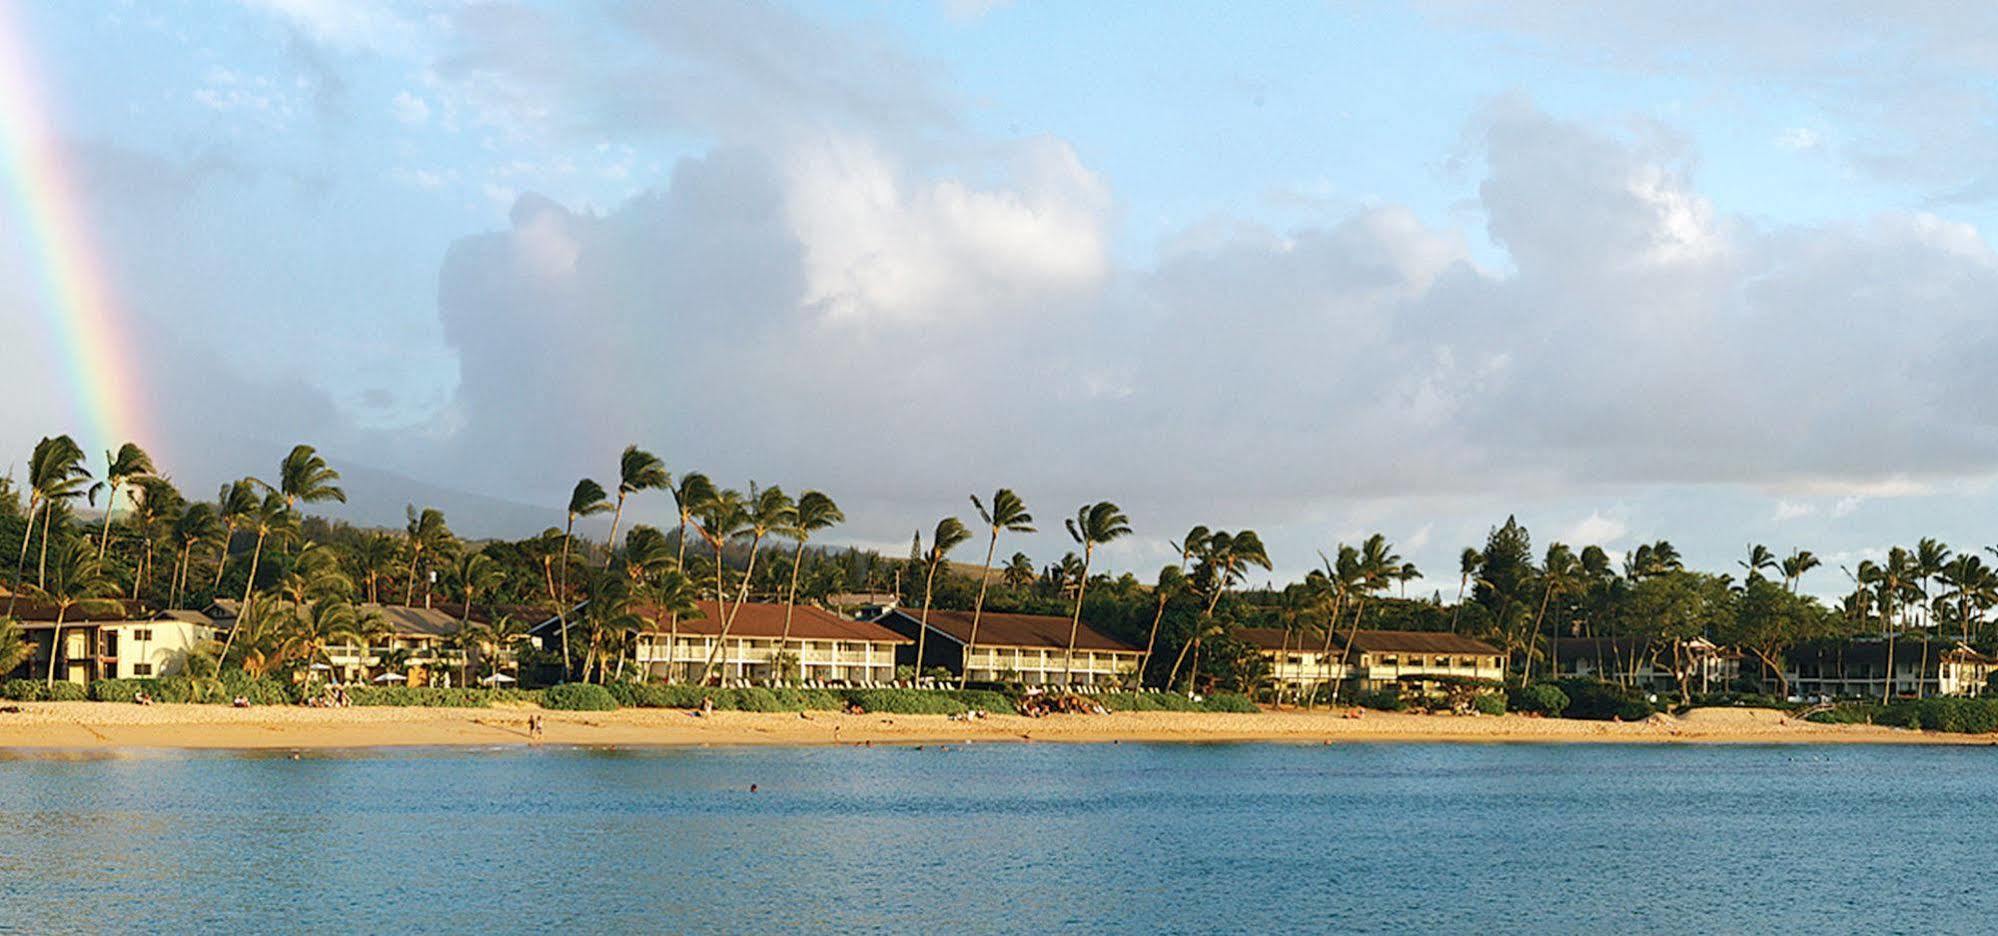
{"points": [[48, 726]]}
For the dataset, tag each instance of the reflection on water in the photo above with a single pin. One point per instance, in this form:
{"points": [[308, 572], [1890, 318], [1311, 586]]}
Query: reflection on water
{"points": [[1192, 838]]}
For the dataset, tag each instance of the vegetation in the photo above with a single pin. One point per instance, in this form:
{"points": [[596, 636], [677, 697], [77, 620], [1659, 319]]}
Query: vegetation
{"points": [[578, 697]]}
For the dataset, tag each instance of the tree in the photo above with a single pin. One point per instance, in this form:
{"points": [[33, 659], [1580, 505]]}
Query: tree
{"points": [[55, 473], [1793, 568], [1768, 620], [371, 557], [637, 470], [1759, 558], [1467, 566], [196, 524], [950, 534], [155, 504], [76, 581], [1378, 564], [305, 478], [815, 512], [236, 505], [1008, 514], [587, 499], [425, 535], [14, 646], [128, 462], [477, 576], [1559, 573], [1092, 526], [1019, 572]]}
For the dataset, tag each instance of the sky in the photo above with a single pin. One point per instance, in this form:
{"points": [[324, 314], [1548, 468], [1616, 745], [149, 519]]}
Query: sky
{"points": [[1710, 272]]}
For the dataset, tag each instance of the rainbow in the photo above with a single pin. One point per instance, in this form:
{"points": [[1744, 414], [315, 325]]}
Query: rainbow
{"points": [[75, 293]]}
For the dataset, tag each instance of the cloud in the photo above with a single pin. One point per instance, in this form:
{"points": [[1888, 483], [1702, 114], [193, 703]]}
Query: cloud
{"points": [[1595, 530], [410, 109], [1792, 510]]}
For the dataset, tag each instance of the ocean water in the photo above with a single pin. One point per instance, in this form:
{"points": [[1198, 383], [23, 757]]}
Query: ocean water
{"points": [[1007, 838]]}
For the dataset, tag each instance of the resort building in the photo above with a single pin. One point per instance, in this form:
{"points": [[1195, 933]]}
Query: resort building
{"points": [[1650, 665], [1378, 659], [1025, 648], [1858, 669], [823, 647], [1297, 662], [122, 642]]}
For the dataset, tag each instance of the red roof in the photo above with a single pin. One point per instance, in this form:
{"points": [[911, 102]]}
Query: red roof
{"points": [[1017, 630], [767, 620]]}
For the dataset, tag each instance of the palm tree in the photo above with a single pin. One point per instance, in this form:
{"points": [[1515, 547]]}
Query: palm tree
{"points": [[1008, 514], [1793, 569], [950, 534], [1093, 525], [1172, 581], [155, 504], [815, 512], [587, 499], [1759, 558], [1558, 574], [78, 582], [1467, 566], [196, 524], [637, 470], [1019, 572], [305, 478], [270, 516], [767, 511], [55, 473], [424, 535], [236, 505], [371, 557], [128, 462], [1377, 564], [1224, 559], [14, 646], [1930, 557], [477, 575], [495, 640]]}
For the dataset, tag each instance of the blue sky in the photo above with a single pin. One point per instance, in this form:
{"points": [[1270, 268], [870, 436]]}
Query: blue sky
{"points": [[1717, 275]]}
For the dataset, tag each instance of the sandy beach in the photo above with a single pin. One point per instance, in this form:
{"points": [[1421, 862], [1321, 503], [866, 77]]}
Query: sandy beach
{"points": [[103, 725]]}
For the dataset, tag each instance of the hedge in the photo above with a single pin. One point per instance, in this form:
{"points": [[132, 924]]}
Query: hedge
{"points": [[35, 690], [1490, 703], [1602, 701], [258, 690], [578, 697], [437, 696]]}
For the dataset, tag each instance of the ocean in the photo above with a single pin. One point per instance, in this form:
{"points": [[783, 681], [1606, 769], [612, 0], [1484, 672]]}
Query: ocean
{"points": [[1140, 838]]}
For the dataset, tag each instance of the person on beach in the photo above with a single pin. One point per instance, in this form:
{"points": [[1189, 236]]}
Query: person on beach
{"points": [[534, 727]]}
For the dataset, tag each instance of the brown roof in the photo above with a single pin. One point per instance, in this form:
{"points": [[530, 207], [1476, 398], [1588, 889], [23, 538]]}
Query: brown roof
{"points": [[1374, 641], [110, 609], [1277, 638], [756, 619], [1016, 630]]}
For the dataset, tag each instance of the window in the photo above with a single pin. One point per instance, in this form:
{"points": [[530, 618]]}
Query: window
{"points": [[143, 633], [142, 669], [1390, 661]]}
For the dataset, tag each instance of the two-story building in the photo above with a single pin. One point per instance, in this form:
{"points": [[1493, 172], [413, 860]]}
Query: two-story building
{"points": [[1026, 648], [821, 646], [1299, 663], [116, 641], [1859, 669]]}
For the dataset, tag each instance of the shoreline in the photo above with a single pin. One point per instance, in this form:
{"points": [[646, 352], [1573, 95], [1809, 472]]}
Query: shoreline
{"points": [[111, 726]]}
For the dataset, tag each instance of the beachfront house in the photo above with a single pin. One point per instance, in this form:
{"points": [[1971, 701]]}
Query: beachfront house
{"points": [[1420, 660], [1298, 662], [1025, 648], [822, 646], [121, 641], [1859, 669]]}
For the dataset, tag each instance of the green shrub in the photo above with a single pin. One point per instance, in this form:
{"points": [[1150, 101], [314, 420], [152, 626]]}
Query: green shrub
{"points": [[24, 690], [1386, 700], [121, 690], [1848, 713], [578, 697], [908, 701], [1229, 702], [64, 691], [435, 696], [1539, 698], [1602, 701], [1955, 715], [1490, 703], [1147, 702]]}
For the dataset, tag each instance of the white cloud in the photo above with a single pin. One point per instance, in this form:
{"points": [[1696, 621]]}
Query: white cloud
{"points": [[410, 109], [1792, 510], [1595, 530], [1799, 138]]}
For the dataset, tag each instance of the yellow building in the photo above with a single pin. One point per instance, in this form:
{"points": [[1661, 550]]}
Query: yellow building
{"points": [[123, 642], [822, 647], [1025, 648]]}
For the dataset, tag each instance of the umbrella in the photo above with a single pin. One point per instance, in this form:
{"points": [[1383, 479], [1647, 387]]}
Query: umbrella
{"points": [[322, 666], [497, 678], [391, 677]]}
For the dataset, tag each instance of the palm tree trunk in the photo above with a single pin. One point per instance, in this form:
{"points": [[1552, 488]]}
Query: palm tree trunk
{"points": [[409, 593], [1325, 653], [1346, 652], [562, 600], [55, 641], [1172, 678], [42, 566], [222, 558], [923, 626], [242, 610], [610, 545], [742, 597], [1458, 608], [104, 542], [1075, 622], [1151, 639], [21, 564], [791, 604], [978, 610]]}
